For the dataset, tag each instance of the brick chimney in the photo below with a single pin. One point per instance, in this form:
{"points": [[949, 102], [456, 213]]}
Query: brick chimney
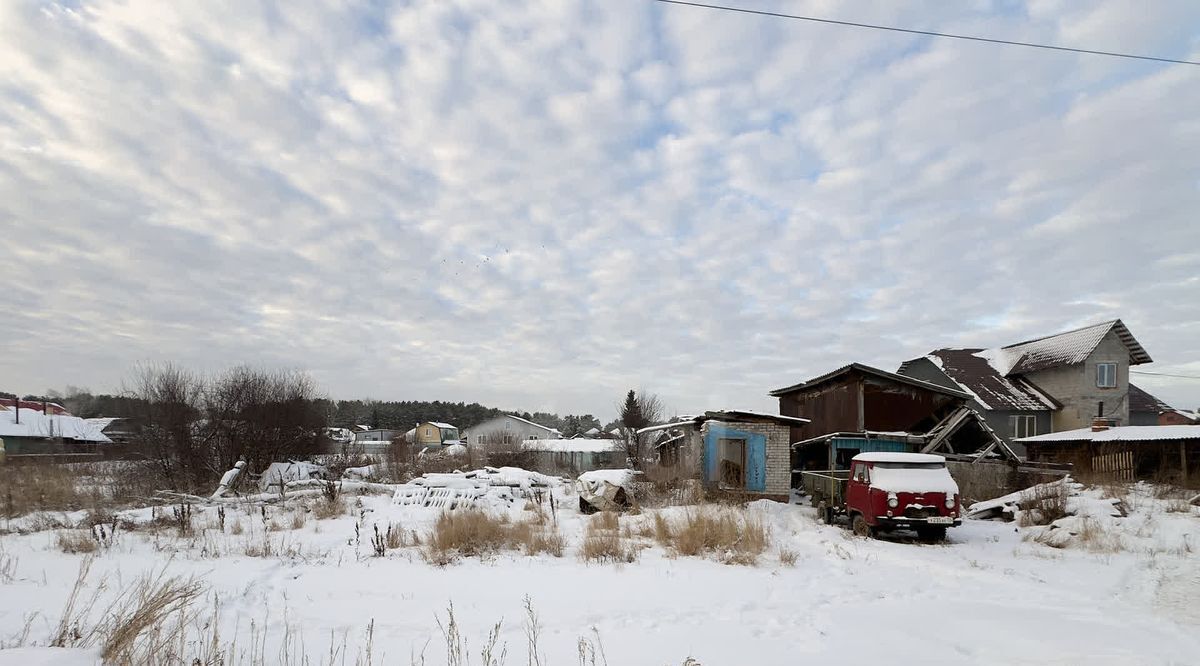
{"points": [[1099, 424]]}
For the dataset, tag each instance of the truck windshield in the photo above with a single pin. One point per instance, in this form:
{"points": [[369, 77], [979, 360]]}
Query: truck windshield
{"points": [[898, 477], [907, 465]]}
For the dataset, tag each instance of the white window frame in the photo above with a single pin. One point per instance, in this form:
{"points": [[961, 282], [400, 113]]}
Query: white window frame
{"points": [[1101, 375], [1023, 425]]}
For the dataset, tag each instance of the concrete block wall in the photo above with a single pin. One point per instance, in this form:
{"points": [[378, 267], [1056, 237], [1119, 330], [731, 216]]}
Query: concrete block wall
{"points": [[779, 453], [1074, 386]]}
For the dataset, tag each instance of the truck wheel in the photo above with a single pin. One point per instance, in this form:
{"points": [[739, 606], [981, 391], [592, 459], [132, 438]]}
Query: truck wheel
{"points": [[931, 534], [860, 526]]}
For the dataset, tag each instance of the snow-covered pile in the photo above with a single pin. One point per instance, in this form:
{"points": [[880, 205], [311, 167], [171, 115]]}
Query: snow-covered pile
{"points": [[489, 486], [1066, 514]]}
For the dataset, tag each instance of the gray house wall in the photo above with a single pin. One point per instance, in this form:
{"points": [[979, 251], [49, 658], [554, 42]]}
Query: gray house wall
{"points": [[515, 429], [1074, 386]]}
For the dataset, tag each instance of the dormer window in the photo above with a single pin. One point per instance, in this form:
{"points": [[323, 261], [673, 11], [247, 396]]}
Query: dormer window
{"points": [[1106, 375]]}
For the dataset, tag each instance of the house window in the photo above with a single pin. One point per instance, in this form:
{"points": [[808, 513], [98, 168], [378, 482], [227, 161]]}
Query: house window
{"points": [[1023, 426], [1106, 375]]}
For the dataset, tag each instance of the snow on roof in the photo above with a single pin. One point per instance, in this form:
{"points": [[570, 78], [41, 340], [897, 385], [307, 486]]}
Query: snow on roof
{"points": [[592, 431], [779, 418], [896, 457], [977, 376], [1120, 434], [528, 422], [439, 424], [581, 445], [36, 424], [866, 369], [1067, 348]]}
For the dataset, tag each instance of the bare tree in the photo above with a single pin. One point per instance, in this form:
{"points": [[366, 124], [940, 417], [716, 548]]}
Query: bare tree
{"points": [[194, 427], [167, 402]]}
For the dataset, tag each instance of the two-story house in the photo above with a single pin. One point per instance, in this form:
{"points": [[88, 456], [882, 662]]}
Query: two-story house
{"points": [[1058, 382]]}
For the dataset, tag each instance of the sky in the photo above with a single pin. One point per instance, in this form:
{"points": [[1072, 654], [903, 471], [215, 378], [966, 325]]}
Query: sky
{"points": [[541, 205]]}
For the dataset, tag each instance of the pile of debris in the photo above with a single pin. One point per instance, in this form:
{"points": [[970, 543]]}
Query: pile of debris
{"points": [[490, 486]]}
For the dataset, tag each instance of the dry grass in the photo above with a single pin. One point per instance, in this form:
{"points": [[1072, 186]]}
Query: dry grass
{"points": [[733, 536], [74, 542], [25, 488], [476, 533], [602, 541], [327, 508], [299, 519], [982, 481], [788, 557]]}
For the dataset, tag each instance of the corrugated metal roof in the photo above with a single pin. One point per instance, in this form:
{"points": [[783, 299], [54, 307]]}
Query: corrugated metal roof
{"points": [[1120, 434]]}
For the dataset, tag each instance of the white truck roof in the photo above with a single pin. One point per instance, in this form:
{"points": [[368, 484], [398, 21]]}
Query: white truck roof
{"points": [[893, 457]]}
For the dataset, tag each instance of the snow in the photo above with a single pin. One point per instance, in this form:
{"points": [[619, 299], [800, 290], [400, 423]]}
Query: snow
{"points": [[1121, 434], [280, 473], [912, 479], [895, 457], [616, 477], [33, 423], [990, 595], [49, 656], [571, 445]]}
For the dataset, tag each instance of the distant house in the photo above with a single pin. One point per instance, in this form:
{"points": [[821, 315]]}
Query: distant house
{"points": [[432, 433], [859, 409], [33, 431], [508, 429], [735, 451], [120, 430], [1145, 409], [52, 408], [1048, 384], [571, 457], [1124, 453]]}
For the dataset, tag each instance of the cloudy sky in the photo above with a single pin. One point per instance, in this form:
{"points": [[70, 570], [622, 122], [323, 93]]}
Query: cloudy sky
{"points": [[538, 205]]}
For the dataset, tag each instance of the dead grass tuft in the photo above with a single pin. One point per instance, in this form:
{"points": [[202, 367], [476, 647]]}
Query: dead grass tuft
{"points": [[327, 508], [734, 536], [788, 557], [602, 541], [476, 533], [74, 542]]}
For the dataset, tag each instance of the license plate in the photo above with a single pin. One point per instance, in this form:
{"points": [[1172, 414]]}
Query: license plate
{"points": [[940, 520]]}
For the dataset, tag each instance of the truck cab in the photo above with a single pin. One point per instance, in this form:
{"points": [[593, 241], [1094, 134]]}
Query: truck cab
{"points": [[914, 491]]}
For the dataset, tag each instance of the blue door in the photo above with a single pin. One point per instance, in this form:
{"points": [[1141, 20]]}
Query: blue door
{"points": [[751, 458], [756, 463]]}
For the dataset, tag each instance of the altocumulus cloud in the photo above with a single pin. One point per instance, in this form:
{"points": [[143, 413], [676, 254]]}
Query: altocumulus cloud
{"points": [[541, 204]]}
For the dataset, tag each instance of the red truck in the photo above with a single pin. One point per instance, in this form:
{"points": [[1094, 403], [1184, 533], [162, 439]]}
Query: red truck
{"points": [[888, 491]]}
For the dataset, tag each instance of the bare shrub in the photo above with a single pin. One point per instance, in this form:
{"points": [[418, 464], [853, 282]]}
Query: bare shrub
{"points": [[733, 536], [1043, 504], [299, 520], [500, 450]]}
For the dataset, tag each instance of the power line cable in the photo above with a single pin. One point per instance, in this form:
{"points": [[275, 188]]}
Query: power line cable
{"points": [[930, 33], [1164, 374]]}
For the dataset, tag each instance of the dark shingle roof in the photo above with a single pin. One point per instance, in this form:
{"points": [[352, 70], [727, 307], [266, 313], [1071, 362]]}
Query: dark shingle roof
{"points": [[1140, 401], [991, 389]]}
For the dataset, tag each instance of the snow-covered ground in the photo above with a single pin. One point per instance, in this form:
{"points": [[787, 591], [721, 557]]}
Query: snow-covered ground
{"points": [[991, 595]]}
